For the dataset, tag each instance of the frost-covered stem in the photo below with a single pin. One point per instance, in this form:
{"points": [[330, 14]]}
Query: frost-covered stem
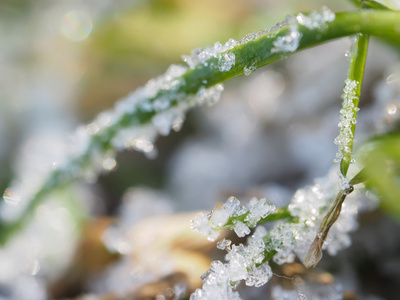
{"points": [[351, 99], [314, 254], [257, 52], [279, 214]]}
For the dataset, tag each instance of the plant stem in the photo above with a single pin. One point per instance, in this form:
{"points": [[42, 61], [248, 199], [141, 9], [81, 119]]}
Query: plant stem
{"points": [[351, 99], [279, 214], [254, 53]]}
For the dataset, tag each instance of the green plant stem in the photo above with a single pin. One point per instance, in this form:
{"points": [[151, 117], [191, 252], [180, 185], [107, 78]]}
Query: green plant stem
{"points": [[369, 4], [384, 24], [356, 73], [279, 214]]}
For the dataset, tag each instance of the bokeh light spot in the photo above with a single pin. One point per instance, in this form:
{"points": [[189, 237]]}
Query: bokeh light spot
{"points": [[10, 197], [76, 25]]}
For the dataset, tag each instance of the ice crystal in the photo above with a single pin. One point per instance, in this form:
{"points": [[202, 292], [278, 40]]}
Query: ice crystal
{"points": [[201, 56], [260, 209], [209, 96], [316, 20], [286, 239], [200, 224], [224, 244], [241, 229], [219, 281], [249, 69], [291, 40], [226, 62], [348, 115], [219, 218]]}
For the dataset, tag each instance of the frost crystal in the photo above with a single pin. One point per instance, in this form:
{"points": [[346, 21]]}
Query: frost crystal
{"points": [[260, 209], [241, 229], [226, 62], [201, 56], [209, 96], [316, 20], [224, 244], [200, 223], [249, 69], [348, 115], [291, 40]]}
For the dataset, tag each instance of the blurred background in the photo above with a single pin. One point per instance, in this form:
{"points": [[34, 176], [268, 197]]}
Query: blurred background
{"points": [[127, 235]]}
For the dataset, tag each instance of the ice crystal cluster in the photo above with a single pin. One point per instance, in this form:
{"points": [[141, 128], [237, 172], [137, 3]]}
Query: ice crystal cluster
{"points": [[315, 19], [291, 40], [287, 239], [234, 216], [243, 263], [348, 115]]}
